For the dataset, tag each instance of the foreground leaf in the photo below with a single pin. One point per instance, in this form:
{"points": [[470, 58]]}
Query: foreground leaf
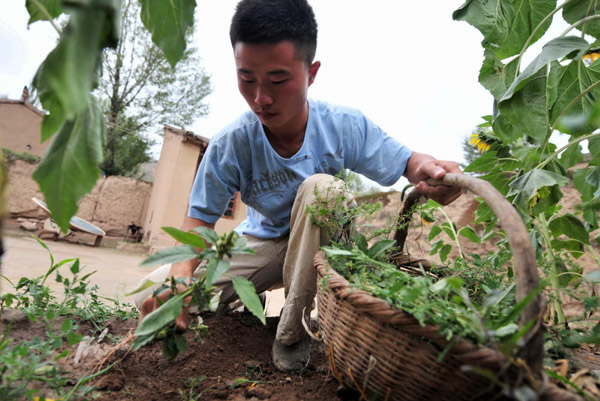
{"points": [[171, 255], [169, 22], [70, 72], [70, 168], [160, 317], [247, 293], [506, 25], [42, 9], [215, 269], [185, 237]]}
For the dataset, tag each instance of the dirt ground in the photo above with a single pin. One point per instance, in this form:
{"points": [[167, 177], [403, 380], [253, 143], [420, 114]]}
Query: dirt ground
{"points": [[237, 350]]}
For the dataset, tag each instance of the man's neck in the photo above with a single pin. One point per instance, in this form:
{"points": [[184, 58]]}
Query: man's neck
{"points": [[286, 144]]}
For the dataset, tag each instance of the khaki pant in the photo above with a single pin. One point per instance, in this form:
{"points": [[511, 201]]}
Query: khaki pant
{"points": [[283, 262]]}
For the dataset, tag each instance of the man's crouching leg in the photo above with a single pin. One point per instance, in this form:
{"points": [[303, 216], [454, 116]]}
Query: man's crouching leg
{"points": [[291, 349]]}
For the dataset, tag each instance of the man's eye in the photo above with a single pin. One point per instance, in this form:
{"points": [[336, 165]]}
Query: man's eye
{"points": [[279, 82], [247, 81]]}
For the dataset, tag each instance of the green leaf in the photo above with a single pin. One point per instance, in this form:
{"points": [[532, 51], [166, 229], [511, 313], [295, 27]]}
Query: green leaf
{"points": [[185, 237], [50, 10], [594, 143], [593, 276], [506, 25], [240, 247], [208, 234], [247, 293], [181, 343], [171, 255], [380, 247], [526, 186], [518, 308], [571, 156], [336, 252], [564, 277], [435, 231], [574, 247], [445, 251], [565, 86], [578, 124], [593, 178], [140, 341], [74, 338], [496, 76], [555, 49], [576, 10], [160, 317], [141, 287], [498, 179], [484, 163], [70, 72], [570, 226], [450, 230], [215, 269], [169, 22], [470, 233], [70, 168], [75, 267], [526, 111]]}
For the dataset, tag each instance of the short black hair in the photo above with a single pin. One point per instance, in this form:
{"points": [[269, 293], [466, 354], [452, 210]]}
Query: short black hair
{"points": [[273, 21]]}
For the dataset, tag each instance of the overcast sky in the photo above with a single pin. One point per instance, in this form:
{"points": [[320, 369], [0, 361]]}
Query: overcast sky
{"points": [[407, 65]]}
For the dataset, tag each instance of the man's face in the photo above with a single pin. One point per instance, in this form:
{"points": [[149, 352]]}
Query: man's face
{"points": [[274, 82]]}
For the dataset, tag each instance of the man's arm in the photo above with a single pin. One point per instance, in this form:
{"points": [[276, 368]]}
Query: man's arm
{"points": [[421, 166], [178, 270]]}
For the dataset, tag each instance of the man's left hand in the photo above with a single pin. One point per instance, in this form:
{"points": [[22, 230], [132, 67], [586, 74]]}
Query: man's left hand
{"points": [[421, 167]]}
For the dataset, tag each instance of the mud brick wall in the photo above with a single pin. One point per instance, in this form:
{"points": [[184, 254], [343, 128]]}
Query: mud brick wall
{"points": [[113, 204]]}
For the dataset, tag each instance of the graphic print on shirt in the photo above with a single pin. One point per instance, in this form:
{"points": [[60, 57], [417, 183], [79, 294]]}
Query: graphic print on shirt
{"points": [[331, 164], [271, 185]]}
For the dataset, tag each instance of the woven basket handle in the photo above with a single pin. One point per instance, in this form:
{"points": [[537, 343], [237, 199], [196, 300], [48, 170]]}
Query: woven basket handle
{"points": [[526, 273]]}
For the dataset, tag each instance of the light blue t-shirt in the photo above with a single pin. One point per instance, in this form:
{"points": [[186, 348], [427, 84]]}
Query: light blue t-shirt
{"points": [[240, 158]]}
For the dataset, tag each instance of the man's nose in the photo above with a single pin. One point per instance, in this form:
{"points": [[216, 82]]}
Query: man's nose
{"points": [[263, 96]]}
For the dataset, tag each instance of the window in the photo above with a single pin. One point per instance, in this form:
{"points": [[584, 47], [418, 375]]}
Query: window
{"points": [[230, 211]]}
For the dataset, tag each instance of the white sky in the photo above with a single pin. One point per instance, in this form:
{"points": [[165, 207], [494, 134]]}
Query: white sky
{"points": [[407, 65]]}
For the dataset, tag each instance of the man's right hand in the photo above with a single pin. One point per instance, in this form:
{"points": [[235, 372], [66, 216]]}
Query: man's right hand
{"points": [[151, 303], [183, 269]]}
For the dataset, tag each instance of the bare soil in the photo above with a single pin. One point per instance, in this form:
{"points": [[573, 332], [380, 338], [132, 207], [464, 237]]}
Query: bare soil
{"points": [[239, 347]]}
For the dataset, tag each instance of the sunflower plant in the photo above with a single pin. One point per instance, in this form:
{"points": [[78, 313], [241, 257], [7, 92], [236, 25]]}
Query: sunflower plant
{"points": [[543, 117]]}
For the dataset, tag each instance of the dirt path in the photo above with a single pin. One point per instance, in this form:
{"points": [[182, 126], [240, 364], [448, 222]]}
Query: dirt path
{"points": [[117, 272]]}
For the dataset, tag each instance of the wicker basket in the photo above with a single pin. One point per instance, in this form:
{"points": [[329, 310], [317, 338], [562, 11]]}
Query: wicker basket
{"points": [[384, 353]]}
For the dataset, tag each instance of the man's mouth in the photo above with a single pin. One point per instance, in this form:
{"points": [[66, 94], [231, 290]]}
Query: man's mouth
{"points": [[265, 114]]}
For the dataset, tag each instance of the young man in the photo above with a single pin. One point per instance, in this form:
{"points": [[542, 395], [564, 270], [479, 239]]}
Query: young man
{"points": [[275, 155]]}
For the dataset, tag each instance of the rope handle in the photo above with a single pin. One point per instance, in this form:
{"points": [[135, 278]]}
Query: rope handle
{"points": [[526, 274]]}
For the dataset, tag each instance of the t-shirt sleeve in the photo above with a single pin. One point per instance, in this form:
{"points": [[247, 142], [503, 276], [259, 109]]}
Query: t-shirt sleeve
{"points": [[216, 182], [373, 153]]}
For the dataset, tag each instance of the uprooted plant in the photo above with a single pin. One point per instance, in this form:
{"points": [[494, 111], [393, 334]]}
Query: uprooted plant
{"points": [[199, 291]]}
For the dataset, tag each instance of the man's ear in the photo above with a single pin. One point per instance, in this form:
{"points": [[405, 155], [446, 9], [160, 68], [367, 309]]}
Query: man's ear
{"points": [[312, 72]]}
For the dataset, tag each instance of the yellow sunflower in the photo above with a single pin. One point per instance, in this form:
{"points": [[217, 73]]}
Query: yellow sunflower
{"points": [[479, 143], [590, 58]]}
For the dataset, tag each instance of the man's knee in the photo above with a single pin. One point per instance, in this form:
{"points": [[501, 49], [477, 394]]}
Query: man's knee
{"points": [[322, 185]]}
